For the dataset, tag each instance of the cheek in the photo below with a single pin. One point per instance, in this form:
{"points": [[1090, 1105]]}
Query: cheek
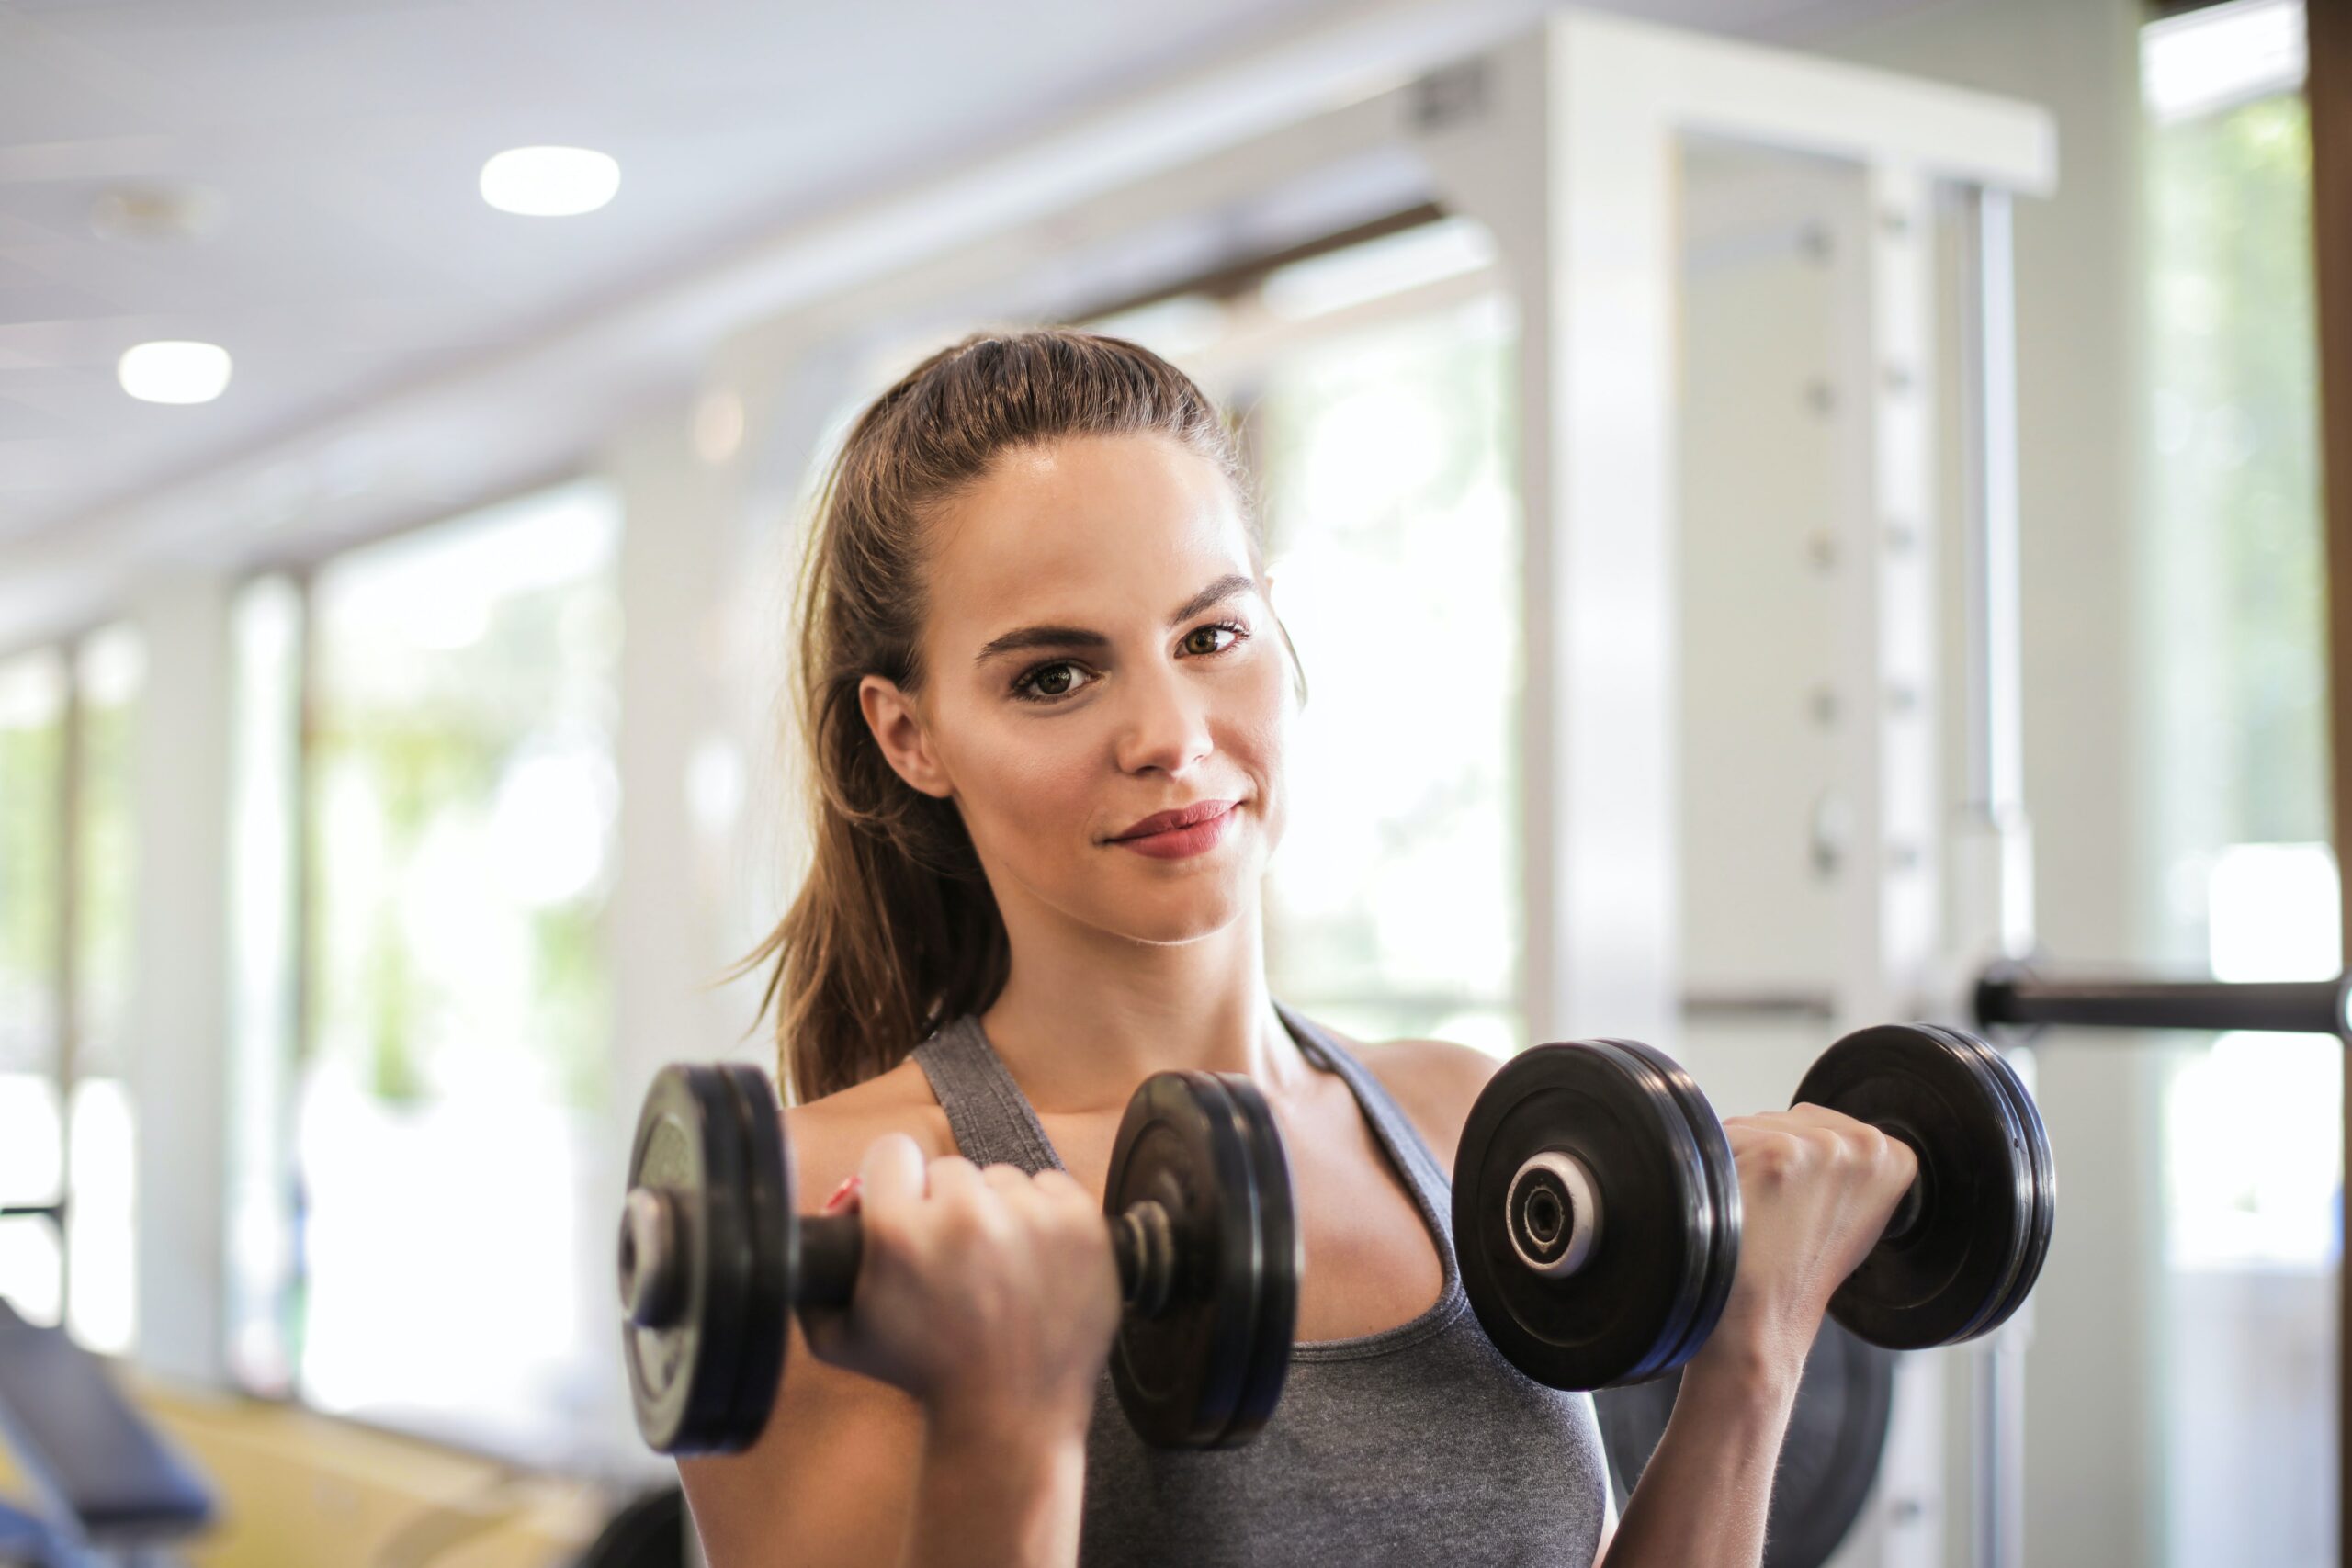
{"points": [[1025, 782], [1258, 730]]}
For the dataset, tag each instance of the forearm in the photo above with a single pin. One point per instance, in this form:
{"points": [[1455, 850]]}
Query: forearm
{"points": [[996, 1494], [1703, 1496]]}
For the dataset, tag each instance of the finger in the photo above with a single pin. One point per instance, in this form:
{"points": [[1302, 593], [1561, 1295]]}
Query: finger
{"points": [[891, 1173], [953, 1173], [1063, 1189], [1808, 1114], [1009, 1179]]}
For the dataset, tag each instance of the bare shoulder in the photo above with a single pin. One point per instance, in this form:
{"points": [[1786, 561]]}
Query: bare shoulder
{"points": [[829, 1135], [1436, 1081]]}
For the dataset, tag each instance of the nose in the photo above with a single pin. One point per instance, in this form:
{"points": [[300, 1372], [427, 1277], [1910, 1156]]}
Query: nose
{"points": [[1165, 723]]}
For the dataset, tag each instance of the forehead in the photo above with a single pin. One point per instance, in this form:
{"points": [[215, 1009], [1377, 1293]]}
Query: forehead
{"points": [[1078, 531]]}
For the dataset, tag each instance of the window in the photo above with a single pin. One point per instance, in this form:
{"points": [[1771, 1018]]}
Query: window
{"points": [[68, 722], [1394, 905], [421, 1244], [32, 877], [2251, 1144]]}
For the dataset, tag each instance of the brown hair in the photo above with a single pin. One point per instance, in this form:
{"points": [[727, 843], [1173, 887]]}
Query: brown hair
{"points": [[895, 930]]}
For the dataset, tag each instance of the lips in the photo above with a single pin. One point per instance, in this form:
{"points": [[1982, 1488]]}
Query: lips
{"points": [[1185, 816]]}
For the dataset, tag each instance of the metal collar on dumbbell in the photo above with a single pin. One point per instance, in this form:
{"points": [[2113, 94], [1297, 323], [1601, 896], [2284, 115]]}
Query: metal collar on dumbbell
{"points": [[1554, 1213]]}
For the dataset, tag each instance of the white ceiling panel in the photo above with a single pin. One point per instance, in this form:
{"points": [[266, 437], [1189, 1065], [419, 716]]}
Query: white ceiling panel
{"points": [[338, 145]]}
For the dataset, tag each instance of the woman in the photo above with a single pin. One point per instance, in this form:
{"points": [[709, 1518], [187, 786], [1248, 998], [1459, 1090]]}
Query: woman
{"points": [[1036, 624]]}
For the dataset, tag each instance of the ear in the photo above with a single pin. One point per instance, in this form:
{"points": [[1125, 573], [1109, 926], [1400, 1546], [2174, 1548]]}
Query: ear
{"points": [[898, 729]]}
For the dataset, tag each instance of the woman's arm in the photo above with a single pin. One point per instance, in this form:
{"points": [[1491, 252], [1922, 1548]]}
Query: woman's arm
{"points": [[1816, 1189], [850, 1472], [856, 1469], [1705, 1494], [996, 1492]]}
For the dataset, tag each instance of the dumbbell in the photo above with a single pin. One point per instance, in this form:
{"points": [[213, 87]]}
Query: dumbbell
{"points": [[714, 1253], [1597, 1215]]}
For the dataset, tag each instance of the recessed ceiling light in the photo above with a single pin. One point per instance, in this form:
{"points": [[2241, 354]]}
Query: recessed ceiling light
{"points": [[550, 182], [174, 372]]}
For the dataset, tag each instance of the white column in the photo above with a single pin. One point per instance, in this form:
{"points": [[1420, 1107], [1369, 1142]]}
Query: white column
{"points": [[1570, 165], [177, 1055]]}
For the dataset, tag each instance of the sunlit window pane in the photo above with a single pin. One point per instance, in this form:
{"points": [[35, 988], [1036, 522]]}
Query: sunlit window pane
{"points": [[2252, 1145], [1393, 905], [32, 742], [32, 736], [464, 800], [100, 1230], [109, 673]]}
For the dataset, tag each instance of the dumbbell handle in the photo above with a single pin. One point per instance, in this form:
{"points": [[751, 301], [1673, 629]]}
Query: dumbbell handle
{"points": [[831, 1246], [1142, 1243], [652, 1260]]}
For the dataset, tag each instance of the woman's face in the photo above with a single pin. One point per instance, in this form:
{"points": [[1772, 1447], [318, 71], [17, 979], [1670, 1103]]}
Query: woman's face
{"points": [[1099, 651]]}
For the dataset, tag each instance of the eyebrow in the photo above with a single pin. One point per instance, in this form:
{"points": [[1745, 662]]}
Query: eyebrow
{"points": [[1216, 593]]}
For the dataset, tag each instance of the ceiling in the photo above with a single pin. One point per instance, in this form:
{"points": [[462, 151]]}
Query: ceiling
{"points": [[340, 248]]}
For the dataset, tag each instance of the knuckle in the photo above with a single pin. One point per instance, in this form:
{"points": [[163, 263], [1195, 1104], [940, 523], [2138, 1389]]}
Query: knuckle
{"points": [[1777, 1157], [1058, 1184], [884, 1230], [1005, 1178]]}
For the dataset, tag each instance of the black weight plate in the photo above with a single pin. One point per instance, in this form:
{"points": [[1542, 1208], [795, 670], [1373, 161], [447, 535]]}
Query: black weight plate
{"points": [[1626, 1314], [1942, 1280], [1722, 1185], [1279, 1249], [690, 1144], [773, 1229], [1178, 1373], [1837, 1435], [2045, 1175], [2045, 1217]]}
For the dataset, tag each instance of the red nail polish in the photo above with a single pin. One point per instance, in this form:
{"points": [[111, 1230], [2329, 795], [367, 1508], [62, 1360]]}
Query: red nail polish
{"points": [[843, 1195]]}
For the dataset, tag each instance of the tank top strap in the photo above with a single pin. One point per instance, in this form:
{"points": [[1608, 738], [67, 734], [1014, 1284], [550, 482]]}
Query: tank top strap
{"points": [[1432, 1185], [1405, 1142], [993, 1121]]}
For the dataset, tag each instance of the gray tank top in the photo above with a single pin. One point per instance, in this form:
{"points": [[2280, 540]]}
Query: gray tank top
{"points": [[1416, 1445]]}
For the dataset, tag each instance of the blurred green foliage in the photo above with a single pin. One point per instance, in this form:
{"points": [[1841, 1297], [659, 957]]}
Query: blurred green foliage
{"points": [[412, 745], [2235, 479]]}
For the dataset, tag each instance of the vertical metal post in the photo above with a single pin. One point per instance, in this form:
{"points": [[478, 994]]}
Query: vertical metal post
{"points": [[1991, 810], [1993, 759]]}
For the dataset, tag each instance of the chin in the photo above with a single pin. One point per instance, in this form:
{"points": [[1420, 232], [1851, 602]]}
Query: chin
{"points": [[1171, 915]]}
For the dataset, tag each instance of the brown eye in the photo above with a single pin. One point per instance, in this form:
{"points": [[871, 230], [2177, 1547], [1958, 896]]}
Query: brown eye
{"points": [[1044, 682], [1225, 626]]}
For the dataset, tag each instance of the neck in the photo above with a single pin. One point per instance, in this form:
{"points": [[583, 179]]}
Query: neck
{"points": [[1083, 1018]]}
